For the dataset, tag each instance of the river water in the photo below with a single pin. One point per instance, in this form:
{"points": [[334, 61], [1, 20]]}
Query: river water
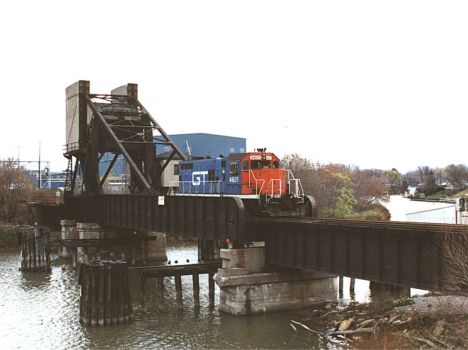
{"points": [[41, 311]]}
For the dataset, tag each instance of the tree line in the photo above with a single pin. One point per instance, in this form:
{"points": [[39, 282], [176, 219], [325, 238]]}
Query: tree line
{"points": [[15, 186], [340, 190], [348, 191]]}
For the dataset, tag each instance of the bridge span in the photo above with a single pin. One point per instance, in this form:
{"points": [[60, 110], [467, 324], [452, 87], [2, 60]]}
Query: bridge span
{"points": [[400, 253]]}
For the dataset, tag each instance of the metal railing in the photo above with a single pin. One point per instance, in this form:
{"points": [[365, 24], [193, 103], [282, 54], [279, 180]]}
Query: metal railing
{"points": [[71, 147], [253, 178], [275, 187], [294, 185], [275, 191], [203, 187]]}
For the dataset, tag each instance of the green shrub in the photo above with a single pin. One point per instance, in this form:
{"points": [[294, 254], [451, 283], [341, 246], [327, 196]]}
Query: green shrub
{"points": [[403, 301]]}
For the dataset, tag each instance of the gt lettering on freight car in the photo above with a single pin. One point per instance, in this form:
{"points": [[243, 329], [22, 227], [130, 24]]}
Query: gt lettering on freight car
{"points": [[234, 179]]}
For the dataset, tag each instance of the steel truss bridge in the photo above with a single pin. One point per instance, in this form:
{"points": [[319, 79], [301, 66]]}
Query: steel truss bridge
{"points": [[399, 253]]}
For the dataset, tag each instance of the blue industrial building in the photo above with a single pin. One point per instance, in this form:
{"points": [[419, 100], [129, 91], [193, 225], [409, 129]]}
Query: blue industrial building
{"points": [[207, 145], [197, 145]]}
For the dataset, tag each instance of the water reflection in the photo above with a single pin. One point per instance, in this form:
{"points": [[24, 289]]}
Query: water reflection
{"points": [[41, 311]]}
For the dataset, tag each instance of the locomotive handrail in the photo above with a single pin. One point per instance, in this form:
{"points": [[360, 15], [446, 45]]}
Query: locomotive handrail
{"points": [[257, 192], [205, 187], [271, 184], [298, 189]]}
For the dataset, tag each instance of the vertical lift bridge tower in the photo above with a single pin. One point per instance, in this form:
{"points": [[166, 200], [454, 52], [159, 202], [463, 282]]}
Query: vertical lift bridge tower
{"points": [[116, 124]]}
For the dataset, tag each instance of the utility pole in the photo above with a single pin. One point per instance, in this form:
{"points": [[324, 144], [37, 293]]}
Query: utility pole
{"points": [[39, 168]]}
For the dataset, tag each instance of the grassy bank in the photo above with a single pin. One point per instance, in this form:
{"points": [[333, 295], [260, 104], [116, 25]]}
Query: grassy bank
{"points": [[8, 236]]}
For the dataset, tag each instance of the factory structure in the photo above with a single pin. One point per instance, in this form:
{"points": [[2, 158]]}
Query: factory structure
{"points": [[193, 145]]}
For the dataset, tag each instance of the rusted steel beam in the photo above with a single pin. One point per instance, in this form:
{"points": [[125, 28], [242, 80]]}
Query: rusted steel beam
{"points": [[401, 254], [215, 218]]}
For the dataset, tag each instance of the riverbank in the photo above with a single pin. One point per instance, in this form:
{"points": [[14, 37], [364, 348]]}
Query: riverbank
{"points": [[8, 236], [404, 323]]}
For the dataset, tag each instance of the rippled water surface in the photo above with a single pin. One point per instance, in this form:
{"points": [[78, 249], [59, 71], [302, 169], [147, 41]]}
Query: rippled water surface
{"points": [[41, 311]]}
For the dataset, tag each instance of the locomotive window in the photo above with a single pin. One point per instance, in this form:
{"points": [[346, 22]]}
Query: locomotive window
{"points": [[233, 169], [275, 164], [176, 169], [266, 164], [186, 166], [211, 175], [255, 164], [223, 164], [246, 165]]}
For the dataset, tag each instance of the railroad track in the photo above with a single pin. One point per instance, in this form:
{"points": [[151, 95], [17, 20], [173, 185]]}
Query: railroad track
{"points": [[420, 226]]}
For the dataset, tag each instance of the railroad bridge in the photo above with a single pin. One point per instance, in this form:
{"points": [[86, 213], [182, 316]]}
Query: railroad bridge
{"points": [[398, 253]]}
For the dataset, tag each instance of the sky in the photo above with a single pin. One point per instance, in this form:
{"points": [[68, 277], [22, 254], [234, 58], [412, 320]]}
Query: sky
{"points": [[377, 84]]}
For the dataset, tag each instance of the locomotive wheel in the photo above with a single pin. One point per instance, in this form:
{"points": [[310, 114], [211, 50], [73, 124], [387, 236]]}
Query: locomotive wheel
{"points": [[311, 206]]}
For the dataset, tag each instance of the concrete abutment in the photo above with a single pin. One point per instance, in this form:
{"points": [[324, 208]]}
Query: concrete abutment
{"points": [[247, 289]]}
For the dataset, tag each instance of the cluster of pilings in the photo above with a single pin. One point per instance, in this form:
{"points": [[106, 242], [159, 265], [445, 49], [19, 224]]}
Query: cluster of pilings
{"points": [[194, 270], [35, 255], [105, 293]]}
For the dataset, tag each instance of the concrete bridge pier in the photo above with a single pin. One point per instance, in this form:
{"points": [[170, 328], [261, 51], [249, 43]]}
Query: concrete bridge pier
{"points": [[246, 288], [91, 241], [69, 231], [88, 230], [155, 248]]}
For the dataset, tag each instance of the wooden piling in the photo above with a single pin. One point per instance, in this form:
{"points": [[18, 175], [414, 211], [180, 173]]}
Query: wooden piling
{"points": [[160, 281], [352, 282], [105, 293], [143, 288], [211, 288], [178, 285], [35, 254], [177, 271], [196, 288], [340, 286]]}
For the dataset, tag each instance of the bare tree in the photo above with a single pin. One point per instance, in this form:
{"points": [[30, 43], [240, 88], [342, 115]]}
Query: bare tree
{"points": [[456, 174], [427, 179], [454, 255], [14, 187]]}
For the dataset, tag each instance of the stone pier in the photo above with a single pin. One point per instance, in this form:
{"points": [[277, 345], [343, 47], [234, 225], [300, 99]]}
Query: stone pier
{"points": [[88, 230], [99, 242], [155, 250], [247, 289], [69, 231]]}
